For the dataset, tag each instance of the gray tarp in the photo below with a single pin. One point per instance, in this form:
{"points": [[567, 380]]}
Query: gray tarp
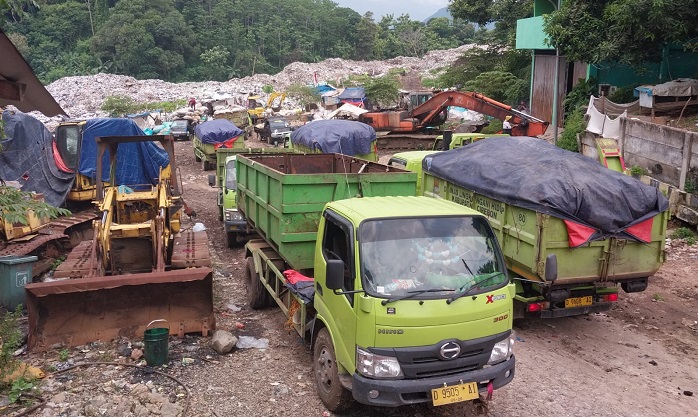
{"points": [[533, 174], [336, 136], [27, 157], [680, 87]]}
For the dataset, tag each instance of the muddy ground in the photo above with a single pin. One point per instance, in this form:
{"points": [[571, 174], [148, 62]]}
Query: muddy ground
{"points": [[639, 359]]}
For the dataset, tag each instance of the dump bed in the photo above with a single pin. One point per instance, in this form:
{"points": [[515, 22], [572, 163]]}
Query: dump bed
{"points": [[223, 153], [283, 195], [601, 225]]}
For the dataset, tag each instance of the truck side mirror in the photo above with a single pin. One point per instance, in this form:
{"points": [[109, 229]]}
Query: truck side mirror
{"points": [[212, 180], [334, 274], [551, 267]]}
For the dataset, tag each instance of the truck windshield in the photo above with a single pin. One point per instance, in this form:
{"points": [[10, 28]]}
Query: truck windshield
{"points": [[230, 176], [429, 257], [179, 125], [278, 124], [68, 143]]}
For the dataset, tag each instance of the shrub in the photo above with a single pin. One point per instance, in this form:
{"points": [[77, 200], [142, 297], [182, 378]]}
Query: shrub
{"points": [[118, 106], [573, 126], [10, 340], [683, 233], [637, 171]]}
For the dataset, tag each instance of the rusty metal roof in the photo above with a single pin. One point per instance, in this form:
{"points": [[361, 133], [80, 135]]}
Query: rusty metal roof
{"points": [[14, 68]]}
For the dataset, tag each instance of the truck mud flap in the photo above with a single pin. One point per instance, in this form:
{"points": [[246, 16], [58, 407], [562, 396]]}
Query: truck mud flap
{"points": [[78, 311]]}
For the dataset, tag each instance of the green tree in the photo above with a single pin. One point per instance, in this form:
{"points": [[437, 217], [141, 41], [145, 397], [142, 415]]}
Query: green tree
{"points": [[154, 40], [215, 63], [625, 31], [504, 13], [366, 33]]}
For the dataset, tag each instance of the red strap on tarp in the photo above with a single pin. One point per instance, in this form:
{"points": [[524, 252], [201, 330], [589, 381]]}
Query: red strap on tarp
{"points": [[59, 161], [293, 276], [226, 144], [642, 230], [578, 234]]}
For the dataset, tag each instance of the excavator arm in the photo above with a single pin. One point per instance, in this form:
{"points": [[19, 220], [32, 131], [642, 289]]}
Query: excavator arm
{"points": [[524, 125]]}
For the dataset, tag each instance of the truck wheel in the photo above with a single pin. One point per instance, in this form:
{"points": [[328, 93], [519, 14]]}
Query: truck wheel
{"points": [[257, 295], [336, 398], [231, 240]]}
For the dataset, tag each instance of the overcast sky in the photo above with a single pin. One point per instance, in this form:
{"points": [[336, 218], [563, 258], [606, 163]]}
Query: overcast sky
{"points": [[417, 9]]}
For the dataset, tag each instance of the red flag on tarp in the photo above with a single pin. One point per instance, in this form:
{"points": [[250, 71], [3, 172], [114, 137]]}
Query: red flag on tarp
{"points": [[226, 144], [578, 234], [642, 230]]}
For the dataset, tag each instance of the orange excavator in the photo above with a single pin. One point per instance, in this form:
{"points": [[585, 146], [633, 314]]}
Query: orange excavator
{"points": [[433, 112]]}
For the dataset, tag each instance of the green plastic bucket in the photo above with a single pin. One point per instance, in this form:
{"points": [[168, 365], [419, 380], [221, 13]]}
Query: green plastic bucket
{"points": [[156, 344]]}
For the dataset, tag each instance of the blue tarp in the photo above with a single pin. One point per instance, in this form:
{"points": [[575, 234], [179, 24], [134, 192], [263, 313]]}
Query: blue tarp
{"points": [[353, 94], [137, 163], [217, 131], [27, 157], [336, 136]]}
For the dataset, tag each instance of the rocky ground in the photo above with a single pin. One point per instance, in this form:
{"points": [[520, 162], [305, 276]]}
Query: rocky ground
{"points": [[639, 359]]}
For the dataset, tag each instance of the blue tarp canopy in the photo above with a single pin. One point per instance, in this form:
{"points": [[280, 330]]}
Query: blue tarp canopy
{"points": [[27, 157], [335, 136], [217, 131], [137, 162], [353, 94]]}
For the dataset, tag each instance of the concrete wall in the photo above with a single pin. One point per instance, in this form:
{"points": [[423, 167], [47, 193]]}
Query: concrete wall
{"points": [[669, 155]]}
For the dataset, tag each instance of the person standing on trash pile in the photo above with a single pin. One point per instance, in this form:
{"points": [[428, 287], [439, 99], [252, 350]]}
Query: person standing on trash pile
{"points": [[192, 103], [506, 126]]}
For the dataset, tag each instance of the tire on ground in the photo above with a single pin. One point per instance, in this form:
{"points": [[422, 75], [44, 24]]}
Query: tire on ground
{"points": [[336, 398], [257, 295]]}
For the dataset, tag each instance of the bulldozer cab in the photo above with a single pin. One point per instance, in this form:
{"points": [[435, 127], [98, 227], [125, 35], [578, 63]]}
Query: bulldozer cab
{"points": [[68, 141]]}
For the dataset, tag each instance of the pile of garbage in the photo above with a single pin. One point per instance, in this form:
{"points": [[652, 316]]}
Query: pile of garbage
{"points": [[83, 96]]}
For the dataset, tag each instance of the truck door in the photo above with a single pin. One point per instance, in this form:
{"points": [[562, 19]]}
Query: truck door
{"points": [[337, 244]]}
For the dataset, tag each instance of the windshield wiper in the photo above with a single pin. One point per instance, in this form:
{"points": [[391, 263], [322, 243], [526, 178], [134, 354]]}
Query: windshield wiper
{"points": [[470, 286], [411, 294]]}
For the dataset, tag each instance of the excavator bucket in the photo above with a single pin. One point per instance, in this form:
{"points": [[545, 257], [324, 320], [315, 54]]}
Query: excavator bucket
{"points": [[77, 311]]}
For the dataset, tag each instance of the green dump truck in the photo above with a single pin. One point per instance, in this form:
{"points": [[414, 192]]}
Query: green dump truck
{"points": [[572, 231], [212, 135], [404, 299], [225, 179]]}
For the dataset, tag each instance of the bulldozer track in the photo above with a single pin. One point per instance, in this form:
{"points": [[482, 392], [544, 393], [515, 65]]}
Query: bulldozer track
{"points": [[190, 250], [61, 234]]}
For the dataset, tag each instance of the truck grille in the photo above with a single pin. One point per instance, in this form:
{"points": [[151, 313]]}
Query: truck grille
{"points": [[426, 361]]}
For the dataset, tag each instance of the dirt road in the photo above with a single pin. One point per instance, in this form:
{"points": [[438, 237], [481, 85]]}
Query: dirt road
{"points": [[637, 360]]}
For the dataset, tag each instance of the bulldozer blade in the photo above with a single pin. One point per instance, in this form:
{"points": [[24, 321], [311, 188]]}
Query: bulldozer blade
{"points": [[78, 311]]}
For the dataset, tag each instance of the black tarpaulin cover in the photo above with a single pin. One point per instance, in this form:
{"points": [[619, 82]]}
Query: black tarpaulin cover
{"points": [[336, 136], [217, 131], [27, 157], [533, 174]]}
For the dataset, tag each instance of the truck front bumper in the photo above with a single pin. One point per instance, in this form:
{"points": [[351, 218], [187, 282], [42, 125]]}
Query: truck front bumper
{"points": [[235, 226], [393, 393]]}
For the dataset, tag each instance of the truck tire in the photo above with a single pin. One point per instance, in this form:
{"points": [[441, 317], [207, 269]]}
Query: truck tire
{"points": [[232, 239], [336, 398], [257, 295]]}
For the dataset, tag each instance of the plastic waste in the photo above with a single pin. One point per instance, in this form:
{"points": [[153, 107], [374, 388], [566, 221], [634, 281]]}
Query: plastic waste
{"points": [[198, 227], [247, 342]]}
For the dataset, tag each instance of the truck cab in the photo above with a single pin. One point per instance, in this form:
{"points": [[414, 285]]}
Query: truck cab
{"points": [[234, 222], [417, 301]]}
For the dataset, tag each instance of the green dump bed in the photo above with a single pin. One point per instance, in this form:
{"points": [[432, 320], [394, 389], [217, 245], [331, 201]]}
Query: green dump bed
{"points": [[223, 153], [283, 195], [527, 238], [542, 200]]}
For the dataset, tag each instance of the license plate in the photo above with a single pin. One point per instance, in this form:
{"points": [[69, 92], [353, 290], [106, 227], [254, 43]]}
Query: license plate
{"points": [[578, 302], [454, 394]]}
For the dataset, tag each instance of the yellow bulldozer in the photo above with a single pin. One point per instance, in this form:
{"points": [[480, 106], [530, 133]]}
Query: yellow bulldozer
{"points": [[257, 109], [139, 267]]}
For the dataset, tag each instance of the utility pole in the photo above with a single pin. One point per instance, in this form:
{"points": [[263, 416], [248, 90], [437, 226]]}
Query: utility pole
{"points": [[556, 88]]}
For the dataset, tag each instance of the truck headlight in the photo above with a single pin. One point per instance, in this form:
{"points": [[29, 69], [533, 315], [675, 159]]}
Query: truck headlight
{"points": [[233, 215], [377, 366], [502, 350]]}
